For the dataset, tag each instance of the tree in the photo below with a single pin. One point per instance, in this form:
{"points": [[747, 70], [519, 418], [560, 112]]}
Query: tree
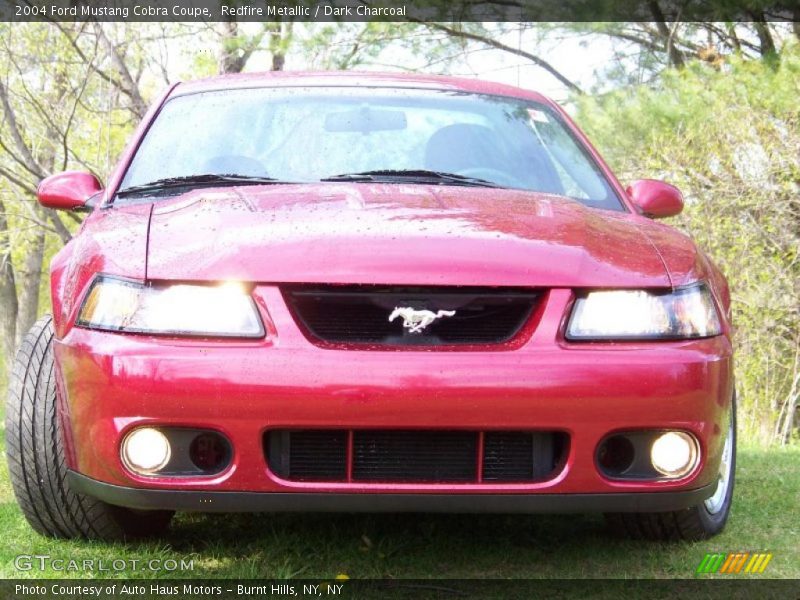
{"points": [[237, 47], [477, 33], [39, 101], [729, 139], [642, 50], [70, 93]]}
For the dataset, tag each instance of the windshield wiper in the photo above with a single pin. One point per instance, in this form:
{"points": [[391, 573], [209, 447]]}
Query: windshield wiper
{"points": [[415, 176], [195, 180]]}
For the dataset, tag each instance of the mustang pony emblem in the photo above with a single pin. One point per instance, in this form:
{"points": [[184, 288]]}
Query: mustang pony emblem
{"points": [[417, 320]]}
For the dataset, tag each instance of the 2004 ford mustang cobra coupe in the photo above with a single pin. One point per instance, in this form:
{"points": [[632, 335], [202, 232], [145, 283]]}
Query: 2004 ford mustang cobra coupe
{"points": [[354, 292]]}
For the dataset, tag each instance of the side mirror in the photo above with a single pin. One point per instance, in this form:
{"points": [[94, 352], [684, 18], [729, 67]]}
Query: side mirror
{"points": [[68, 190], [656, 199]]}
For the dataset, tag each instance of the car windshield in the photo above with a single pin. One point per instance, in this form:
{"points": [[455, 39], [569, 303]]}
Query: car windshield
{"points": [[388, 135]]}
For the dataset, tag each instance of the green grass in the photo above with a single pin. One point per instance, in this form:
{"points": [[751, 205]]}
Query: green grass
{"points": [[443, 546]]}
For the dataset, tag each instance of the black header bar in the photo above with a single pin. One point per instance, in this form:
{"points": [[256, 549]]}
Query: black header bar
{"points": [[397, 11]]}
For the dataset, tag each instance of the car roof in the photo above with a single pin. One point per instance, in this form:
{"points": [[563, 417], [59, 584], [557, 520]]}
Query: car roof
{"points": [[355, 79]]}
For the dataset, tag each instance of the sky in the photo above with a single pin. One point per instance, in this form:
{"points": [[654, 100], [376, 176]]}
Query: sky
{"points": [[577, 57]]}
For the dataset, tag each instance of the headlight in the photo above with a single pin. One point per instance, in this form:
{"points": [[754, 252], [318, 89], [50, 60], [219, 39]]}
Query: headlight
{"points": [[637, 314], [224, 310]]}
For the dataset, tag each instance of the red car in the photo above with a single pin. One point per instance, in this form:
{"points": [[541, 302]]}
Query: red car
{"points": [[367, 292]]}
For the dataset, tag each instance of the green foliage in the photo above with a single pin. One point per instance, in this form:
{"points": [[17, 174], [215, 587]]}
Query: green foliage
{"points": [[58, 114], [352, 45], [729, 139]]}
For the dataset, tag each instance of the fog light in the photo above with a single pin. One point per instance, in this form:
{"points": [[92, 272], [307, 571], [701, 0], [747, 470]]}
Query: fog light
{"points": [[674, 454], [616, 455], [145, 450], [209, 452]]}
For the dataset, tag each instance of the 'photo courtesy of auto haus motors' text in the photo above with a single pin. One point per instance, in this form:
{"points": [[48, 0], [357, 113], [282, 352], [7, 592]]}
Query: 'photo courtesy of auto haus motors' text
{"points": [[423, 299]]}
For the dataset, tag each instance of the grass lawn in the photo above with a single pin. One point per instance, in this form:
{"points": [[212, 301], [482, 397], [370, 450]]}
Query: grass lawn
{"points": [[765, 518]]}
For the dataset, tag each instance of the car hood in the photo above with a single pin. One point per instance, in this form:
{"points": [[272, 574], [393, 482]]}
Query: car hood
{"points": [[398, 234]]}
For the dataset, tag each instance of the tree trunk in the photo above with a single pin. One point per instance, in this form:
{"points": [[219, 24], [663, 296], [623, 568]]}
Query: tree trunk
{"points": [[278, 61], [8, 298], [675, 55], [765, 39], [229, 59], [280, 37], [29, 280]]}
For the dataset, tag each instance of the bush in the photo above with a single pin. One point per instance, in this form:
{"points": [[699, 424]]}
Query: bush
{"points": [[729, 139]]}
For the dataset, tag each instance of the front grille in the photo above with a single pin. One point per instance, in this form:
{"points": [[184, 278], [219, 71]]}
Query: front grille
{"points": [[414, 456], [519, 456], [309, 455], [398, 456], [360, 314]]}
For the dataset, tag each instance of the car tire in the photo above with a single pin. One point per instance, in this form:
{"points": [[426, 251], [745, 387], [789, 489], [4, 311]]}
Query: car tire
{"points": [[36, 458], [698, 522]]}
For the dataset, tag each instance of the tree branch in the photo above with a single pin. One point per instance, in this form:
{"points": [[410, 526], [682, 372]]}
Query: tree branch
{"points": [[458, 33], [138, 107], [129, 85], [21, 184], [33, 166]]}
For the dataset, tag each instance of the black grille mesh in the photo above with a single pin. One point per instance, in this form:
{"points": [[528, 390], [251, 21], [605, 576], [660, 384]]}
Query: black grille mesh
{"points": [[317, 455], [518, 455], [360, 315], [414, 456]]}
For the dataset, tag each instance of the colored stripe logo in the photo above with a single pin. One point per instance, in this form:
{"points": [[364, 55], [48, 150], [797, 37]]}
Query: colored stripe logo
{"points": [[735, 563]]}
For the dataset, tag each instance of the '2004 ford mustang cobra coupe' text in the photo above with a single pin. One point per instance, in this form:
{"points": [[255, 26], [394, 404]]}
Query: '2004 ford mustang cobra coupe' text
{"points": [[347, 292]]}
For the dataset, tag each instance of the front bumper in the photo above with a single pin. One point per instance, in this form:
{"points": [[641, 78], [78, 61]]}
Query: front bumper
{"points": [[110, 383], [199, 501]]}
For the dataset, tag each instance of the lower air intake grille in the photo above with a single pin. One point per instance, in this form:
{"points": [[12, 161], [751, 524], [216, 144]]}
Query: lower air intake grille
{"points": [[318, 455], [518, 455], [392, 456], [360, 314], [414, 456]]}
